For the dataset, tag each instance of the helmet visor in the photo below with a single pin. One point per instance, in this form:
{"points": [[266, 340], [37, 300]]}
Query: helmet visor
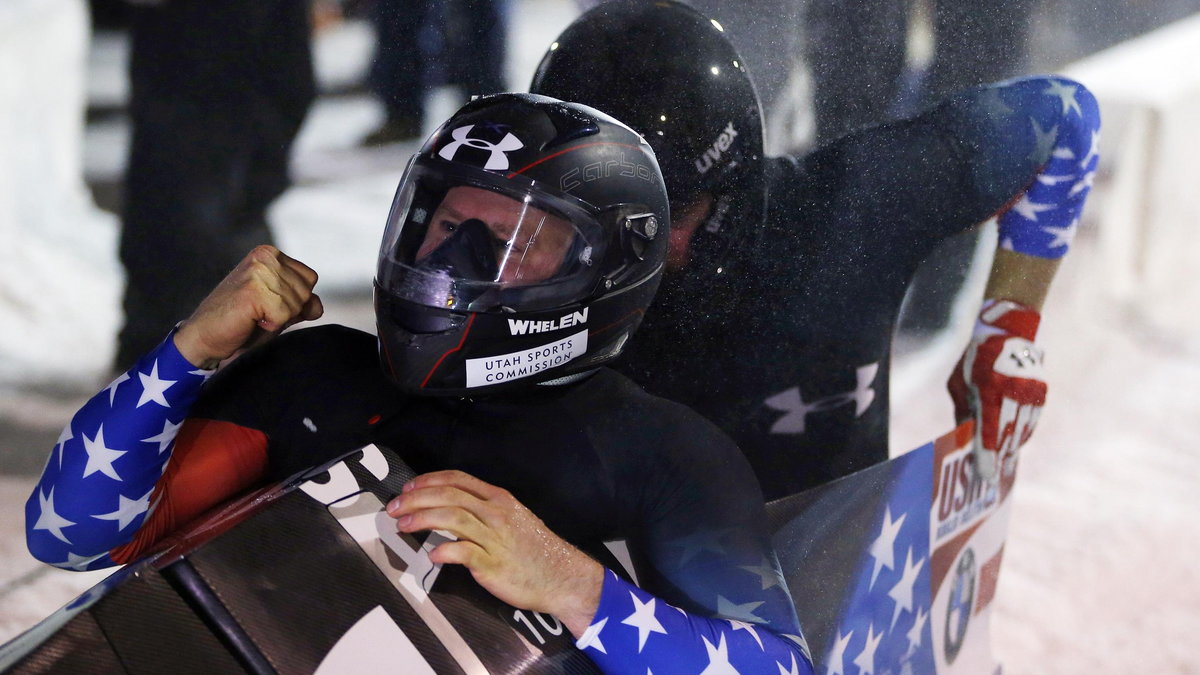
{"points": [[469, 240]]}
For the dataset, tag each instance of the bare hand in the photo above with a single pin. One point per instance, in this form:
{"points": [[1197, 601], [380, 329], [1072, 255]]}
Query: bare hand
{"points": [[266, 293], [508, 549]]}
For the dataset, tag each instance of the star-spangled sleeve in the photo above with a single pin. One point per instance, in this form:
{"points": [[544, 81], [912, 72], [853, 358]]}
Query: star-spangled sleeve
{"points": [[98, 486], [1054, 124], [708, 591], [637, 633]]}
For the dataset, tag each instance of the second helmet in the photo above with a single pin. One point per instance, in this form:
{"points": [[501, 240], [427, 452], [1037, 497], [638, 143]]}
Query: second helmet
{"points": [[672, 74]]}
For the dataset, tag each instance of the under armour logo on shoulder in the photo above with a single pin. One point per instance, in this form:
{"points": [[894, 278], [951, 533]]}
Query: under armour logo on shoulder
{"points": [[497, 160], [791, 402]]}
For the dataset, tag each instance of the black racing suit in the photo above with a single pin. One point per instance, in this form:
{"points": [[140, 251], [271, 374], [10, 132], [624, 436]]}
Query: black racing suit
{"points": [[597, 460], [784, 342]]}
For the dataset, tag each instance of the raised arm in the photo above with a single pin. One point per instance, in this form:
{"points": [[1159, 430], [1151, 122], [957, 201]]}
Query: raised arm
{"points": [[999, 380], [130, 466], [1023, 150], [1036, 226]]}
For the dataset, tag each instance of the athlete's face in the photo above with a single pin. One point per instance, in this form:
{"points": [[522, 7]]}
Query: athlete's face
{"points": [[529, 243]]}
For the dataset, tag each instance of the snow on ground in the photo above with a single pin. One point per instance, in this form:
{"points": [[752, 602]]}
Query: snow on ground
{"points": [[1098, 573], [58, 276]]}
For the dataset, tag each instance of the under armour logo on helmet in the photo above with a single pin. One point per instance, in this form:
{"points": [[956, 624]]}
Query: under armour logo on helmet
{"points": [[797, 408], [497, 160]]}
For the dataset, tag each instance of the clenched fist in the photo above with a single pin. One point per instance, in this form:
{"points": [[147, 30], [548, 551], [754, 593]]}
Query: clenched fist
{"points": [[266, 293]]}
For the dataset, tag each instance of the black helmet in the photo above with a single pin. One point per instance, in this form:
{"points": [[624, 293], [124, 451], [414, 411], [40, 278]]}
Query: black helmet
{"points": [[525, 241], [672, 74]]}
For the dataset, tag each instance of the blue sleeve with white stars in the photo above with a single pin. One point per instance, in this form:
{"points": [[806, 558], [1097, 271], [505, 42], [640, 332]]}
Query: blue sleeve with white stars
{"points": [[95, 491], [634, 632], [707, 593], [1054, 123]]}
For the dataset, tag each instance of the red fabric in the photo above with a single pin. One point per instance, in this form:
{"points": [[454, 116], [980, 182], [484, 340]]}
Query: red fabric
{"points": [[212, 462], [1012, 317]]}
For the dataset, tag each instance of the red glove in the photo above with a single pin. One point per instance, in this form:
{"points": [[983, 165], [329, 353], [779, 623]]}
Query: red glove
{"points": [[999, 381]]}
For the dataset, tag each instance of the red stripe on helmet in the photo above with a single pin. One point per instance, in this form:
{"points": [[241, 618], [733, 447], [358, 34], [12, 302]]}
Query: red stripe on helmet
{"points": [[563, 152], [466, 331]]}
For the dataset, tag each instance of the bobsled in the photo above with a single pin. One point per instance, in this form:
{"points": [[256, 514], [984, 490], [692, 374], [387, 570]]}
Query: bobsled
{"points": [[307, 576], [893, 569]]}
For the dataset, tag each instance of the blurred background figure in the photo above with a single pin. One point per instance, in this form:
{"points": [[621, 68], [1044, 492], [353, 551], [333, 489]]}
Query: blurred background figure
{"points": [[422, 44], [218, 91], [59, 278], [858, 54], [874, 60], [859, 58]]}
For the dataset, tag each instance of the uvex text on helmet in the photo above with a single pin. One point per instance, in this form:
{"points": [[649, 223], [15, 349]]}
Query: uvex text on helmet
{"points": [[524, 243], [670, 73]]}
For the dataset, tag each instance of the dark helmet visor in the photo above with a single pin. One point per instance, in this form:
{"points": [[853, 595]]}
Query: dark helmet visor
{"points": [[468, 240]]}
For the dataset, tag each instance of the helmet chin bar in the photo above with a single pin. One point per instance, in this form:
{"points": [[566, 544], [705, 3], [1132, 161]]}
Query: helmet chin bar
{"points": [[430, 352]]}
